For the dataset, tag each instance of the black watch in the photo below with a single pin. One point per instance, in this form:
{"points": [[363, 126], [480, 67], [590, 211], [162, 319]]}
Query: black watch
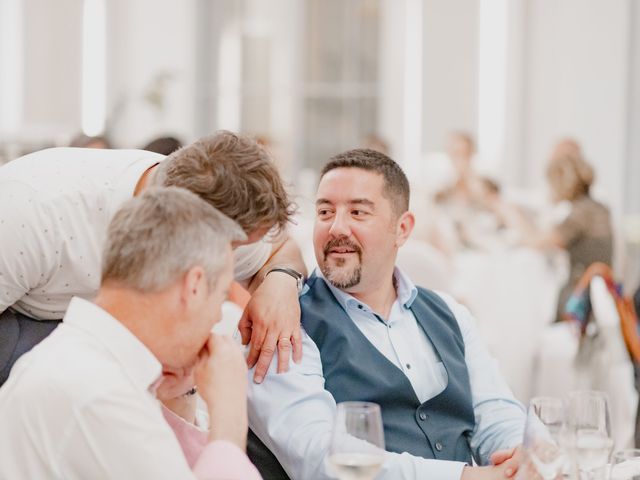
{"points": [[290, 271]]}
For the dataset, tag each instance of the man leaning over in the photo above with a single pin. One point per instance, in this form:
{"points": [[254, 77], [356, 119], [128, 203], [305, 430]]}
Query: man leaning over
{"points": [[55, 206]]}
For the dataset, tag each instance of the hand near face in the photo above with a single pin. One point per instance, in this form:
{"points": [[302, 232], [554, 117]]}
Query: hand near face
{"points": [[272, 320], [221, 377]]}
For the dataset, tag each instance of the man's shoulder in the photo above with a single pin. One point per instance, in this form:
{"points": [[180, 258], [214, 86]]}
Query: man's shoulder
{"points": [[65, 369]]}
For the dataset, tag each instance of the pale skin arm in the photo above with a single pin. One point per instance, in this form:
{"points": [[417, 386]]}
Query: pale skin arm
{"points": [[534, 237], [272, 317]]}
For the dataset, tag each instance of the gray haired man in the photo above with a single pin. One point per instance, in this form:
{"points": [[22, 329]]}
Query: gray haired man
{"points": [[82, 403]]}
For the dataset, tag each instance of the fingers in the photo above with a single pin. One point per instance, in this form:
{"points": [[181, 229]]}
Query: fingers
{"points": [[244, 326], [296, 343], [512, 464], [257, 339], [264, 360], [284, 354], [500, 456]]}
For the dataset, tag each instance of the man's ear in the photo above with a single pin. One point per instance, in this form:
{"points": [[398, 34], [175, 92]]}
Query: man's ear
{"points": [[193, 285], [405, 225]]}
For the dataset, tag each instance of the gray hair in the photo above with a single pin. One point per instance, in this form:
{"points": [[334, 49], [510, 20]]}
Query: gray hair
{"points": [[157, 237]]}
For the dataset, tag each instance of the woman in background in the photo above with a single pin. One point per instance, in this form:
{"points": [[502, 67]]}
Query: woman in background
{"points": [[586, 232]]}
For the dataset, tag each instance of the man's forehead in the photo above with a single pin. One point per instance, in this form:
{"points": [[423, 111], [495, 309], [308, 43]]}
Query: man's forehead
{"points": [[354, 184]]}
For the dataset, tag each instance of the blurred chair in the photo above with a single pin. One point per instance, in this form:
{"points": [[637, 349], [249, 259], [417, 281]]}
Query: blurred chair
{"points": [[596, 355]]}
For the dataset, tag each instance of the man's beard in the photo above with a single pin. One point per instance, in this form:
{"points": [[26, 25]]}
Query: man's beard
{"points": [[339, 278]]}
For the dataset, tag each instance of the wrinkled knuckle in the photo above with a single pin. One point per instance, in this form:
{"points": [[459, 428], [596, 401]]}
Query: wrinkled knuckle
{"points": [[268, 350]]}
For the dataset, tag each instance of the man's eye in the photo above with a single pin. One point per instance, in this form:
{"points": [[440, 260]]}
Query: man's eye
{"points": [[358, 213]]}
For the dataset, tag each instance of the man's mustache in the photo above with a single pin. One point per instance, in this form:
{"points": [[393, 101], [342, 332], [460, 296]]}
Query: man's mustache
{"points": [[341, 242]]}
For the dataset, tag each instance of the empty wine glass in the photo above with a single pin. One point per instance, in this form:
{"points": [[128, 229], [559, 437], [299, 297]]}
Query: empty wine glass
{"points": [[625, 465], [357, 444], [544, 456], [588, 428]]}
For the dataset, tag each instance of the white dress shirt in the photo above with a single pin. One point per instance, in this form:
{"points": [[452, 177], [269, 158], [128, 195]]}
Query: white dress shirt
{"points": [[80, 405], [55, 206], [293, 414]]}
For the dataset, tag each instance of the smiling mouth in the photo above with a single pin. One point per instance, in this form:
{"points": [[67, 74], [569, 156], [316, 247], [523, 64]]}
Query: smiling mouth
{"points": [[341, 251], [340, 248]]}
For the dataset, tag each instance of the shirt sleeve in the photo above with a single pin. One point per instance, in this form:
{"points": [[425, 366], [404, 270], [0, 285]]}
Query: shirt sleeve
{"points": [[499, 417], [293, 415], [122, 437], [27, 244]]}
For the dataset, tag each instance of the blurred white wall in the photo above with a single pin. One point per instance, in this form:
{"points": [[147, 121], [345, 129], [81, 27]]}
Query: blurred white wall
{"points": [[51, 61], [450, 78], [569, 70], [576, 84], [151, 66]]}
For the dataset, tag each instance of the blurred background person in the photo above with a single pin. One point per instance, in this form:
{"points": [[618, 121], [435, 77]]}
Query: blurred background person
{"points": [[163, 145], [586, 233], [465, 190]]}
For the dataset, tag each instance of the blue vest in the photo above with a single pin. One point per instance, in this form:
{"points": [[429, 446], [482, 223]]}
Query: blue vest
{"points": [[354, 369]]}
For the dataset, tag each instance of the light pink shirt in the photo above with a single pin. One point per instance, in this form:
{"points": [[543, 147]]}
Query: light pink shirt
{"points": [[222, 460]]}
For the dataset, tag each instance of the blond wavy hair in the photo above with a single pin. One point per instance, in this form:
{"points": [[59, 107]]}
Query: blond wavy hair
{"points": [[569, 174]]}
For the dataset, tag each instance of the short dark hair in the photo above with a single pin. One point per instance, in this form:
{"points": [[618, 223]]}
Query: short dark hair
{"points": [[163, 145], [235, 175], [396, 185]]}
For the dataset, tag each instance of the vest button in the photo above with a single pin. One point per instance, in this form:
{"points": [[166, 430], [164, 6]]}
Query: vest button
{"points": [[423, 416], [438, 446]]}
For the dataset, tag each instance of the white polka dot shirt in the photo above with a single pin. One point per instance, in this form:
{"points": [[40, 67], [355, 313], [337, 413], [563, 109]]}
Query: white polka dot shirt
{"points": [[55, 206]]}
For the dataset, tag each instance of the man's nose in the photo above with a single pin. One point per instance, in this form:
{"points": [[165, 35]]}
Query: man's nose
{"points": [[340, 226]]}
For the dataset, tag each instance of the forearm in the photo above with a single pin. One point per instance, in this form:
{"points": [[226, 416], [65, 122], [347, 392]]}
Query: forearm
{"points": [[285, 253]]}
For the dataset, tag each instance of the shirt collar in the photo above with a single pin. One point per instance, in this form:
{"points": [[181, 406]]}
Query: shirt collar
{"points": [[406, 290], [137, 361]]}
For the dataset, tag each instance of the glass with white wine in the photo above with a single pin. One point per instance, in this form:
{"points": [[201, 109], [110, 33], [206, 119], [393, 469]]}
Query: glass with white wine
{"points": [[589, 432], [357, 443], [544, 454]]}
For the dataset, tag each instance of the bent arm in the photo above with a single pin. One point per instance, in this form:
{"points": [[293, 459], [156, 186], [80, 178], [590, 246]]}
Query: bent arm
{"points": [[26, 235], [271, 320], [499, 416]]}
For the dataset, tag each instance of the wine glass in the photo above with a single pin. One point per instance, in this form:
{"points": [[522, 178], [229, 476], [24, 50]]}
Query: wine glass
{"points": [[357, 443], [589, 431], [625, 465], [544, 457]]}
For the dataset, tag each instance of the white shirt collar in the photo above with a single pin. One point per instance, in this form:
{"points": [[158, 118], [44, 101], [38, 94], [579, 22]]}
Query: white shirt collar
{"points": [[137, 361], [406, 290]]}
